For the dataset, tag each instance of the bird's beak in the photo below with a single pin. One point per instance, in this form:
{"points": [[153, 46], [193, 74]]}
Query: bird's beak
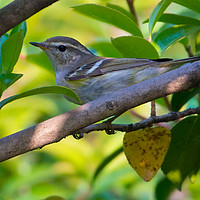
{"points": [[42, 45]]}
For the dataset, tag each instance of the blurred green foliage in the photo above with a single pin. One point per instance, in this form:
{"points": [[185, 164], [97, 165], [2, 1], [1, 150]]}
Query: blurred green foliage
{"points": [[66, 169]]}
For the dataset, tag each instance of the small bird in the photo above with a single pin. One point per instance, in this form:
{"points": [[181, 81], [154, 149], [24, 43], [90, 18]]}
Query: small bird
{"points": [[91, 76]]}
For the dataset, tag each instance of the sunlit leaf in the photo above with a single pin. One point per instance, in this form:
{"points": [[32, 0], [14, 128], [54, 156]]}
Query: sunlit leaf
{"points": [[183, 155], [157, 12], [110, 16], [135, 47], [178, 19], [146, 149], [7, 80], [171, 35], [11, 48], [161, 101], [121, 9], [19, 28], [197, 42], [42, 90], [105, 162], [181, 98], [184, 42], [191, 4]]}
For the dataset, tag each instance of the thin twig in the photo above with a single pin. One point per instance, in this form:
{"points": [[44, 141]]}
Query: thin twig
{"points": [[189, 51], [153, 108], [132, 9], [142, 124]]}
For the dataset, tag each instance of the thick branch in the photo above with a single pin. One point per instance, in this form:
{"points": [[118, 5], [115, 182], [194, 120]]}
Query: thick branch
{"points": [[142, 124], [56, 128], [18, 11]]}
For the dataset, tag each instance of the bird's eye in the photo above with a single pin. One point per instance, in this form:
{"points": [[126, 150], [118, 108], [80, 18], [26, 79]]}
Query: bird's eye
{"points": [[62, 48]]}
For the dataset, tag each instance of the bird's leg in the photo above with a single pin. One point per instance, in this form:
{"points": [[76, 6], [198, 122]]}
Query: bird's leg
{"points": [[153, 111], [110, 130]]}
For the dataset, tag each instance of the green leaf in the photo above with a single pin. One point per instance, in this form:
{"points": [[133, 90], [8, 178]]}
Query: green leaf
{"points": [[191, 4], [164, 188], [157, 12], [7, 80], [2, 198], [10, 50], [184, 42], [122, 10], [183, 154], [3, 38], [178, 19], [135, 47], [194, 173], [19, 28], [171, 35], [110, 16], [54, 197], [197, 42], [42, 90], [106, 49], [11, 47], [181, 98], [41, 60], [164, 102], [105, 162]]}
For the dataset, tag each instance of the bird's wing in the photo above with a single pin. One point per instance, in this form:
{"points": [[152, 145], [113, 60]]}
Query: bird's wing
{"points": [[101, 66], [106, 65]]}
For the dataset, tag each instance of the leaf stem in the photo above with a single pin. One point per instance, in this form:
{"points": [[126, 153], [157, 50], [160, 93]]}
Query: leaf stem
{"points": [[132, 10], [189, 51]]}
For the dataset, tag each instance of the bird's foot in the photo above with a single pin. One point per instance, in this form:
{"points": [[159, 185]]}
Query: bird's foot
{"points": [[110, 130]]}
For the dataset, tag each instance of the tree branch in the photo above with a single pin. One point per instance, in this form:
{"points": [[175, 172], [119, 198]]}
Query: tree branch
{"points": [[18, 11], [54, 129], [142, 124]]}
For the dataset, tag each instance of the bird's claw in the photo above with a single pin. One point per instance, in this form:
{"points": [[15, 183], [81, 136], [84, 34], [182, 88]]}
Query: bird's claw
{"points": [[110, 130]]}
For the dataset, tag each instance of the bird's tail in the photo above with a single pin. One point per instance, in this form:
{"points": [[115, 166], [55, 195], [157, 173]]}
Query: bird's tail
{"points": [[176, 63]]}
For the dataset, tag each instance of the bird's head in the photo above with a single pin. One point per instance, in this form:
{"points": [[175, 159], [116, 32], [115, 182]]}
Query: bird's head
{"points": [[63, 51]]}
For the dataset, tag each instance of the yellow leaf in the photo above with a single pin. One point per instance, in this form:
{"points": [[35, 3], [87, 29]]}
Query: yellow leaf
{"points": [[146, 149]]}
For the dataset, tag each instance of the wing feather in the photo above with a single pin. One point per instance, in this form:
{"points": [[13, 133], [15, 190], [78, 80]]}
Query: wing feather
{"points": [[103, 66]]}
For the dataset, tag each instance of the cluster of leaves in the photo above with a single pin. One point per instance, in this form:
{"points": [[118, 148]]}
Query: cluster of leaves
{"points": [[10, 48], [178, 27], [182, 159]]}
